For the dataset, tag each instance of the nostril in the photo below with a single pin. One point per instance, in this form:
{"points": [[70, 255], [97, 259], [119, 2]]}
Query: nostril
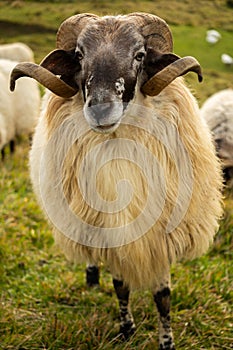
{"points": [[103, 115], [101, 111], [93, 102]]}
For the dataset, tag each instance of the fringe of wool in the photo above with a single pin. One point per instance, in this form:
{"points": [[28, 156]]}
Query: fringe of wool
{"points": [[144, 261]]}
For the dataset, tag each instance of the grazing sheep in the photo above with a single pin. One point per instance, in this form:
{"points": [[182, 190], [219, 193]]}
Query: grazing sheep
{"points": [[19, 110], [19, 52], [217, 110], [212, 36], [121, 162], [227, 59]]}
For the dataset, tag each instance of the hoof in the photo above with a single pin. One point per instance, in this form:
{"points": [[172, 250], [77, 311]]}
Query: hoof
{"points": [[167, 347], [127, 330], [166, 343]]}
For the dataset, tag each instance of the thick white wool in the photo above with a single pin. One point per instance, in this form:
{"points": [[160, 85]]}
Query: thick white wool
{"points": [[170, 210], [19, 52]]}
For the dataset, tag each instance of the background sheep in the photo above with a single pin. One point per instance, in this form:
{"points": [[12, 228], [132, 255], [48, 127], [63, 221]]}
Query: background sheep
{"points": [[107, 112], [227, 59], [212, 36], [19, 110], [17, 52], [7, 124], [7, 121], [218, 113]]}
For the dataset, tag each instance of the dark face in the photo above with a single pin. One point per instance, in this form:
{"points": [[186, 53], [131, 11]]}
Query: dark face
{"points": [[111, 56], [112, 59]]}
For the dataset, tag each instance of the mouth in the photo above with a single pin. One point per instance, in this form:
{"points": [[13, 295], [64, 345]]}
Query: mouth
{"points": [[104, 129]]}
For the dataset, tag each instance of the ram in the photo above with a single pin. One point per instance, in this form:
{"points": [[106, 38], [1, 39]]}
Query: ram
{"points": [[121, 161], [17, 52]]}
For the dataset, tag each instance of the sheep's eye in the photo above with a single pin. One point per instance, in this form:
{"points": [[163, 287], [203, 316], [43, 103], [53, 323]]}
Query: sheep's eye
{"points": [[78, 55], [139, 56]]}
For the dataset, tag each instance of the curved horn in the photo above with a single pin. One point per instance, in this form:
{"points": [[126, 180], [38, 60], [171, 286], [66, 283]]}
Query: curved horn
{"points": [[180, 67], [155, 30], [43, 76], [70, 29]]}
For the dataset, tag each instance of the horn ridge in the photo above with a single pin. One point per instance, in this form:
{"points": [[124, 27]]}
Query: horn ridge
{"points": [[155, 29], [70, 29]]}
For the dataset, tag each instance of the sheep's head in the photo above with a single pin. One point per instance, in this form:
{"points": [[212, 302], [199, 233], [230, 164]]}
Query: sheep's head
{"points": [[107, 60]]}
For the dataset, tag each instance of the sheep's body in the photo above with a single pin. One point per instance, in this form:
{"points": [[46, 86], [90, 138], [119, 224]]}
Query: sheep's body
{"points": [[212, 36], [142, 263], [7, 123], [227, 59], [217, 110], [3, 131], [20, 110], [19, 52]]}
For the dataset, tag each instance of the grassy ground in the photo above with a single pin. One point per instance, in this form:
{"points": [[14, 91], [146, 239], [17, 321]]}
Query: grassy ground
{"points": [[44, 303]]}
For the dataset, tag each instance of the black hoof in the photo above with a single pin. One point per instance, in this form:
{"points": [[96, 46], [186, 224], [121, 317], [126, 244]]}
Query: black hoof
{"points": [[166, 347], [127, 330]]}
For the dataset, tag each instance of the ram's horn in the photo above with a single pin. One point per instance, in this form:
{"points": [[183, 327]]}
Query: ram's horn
{"points": [[70, 29], [154, 29], [163, 78], [44, 77]]}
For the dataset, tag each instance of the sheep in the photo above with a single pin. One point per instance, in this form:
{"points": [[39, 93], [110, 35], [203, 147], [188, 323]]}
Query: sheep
{"points": [[19, 110], [212, 36], [121, 162], [7, 124], [17, 52], [227, 59], [3, 132], [217, 110]]}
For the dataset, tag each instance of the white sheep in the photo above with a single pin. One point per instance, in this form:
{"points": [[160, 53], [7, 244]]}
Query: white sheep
{"points": [[7, 123], [121, 162], [19, 110], [212, 36], [217, 110], [18, 51], [227, 59], [3, 130]]}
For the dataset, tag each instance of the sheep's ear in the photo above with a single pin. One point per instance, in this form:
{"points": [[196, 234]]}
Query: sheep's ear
{"points": [[60, 62], [63, 63], [155, 61]]}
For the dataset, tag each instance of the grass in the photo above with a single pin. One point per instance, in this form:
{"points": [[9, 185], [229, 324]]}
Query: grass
{"points": [[44, 302]]}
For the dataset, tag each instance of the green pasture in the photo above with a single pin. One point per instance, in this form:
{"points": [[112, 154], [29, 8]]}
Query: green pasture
{"points": [[44, 302]]}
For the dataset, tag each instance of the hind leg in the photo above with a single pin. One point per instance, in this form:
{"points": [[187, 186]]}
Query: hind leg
{"points": [[162, 296], [12, 146], [3, 153], [92, 275], [127, 326]]}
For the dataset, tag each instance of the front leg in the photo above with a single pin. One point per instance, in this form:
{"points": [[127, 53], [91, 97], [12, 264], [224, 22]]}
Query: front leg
{"points": [[127, 326], [162, 300]]}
